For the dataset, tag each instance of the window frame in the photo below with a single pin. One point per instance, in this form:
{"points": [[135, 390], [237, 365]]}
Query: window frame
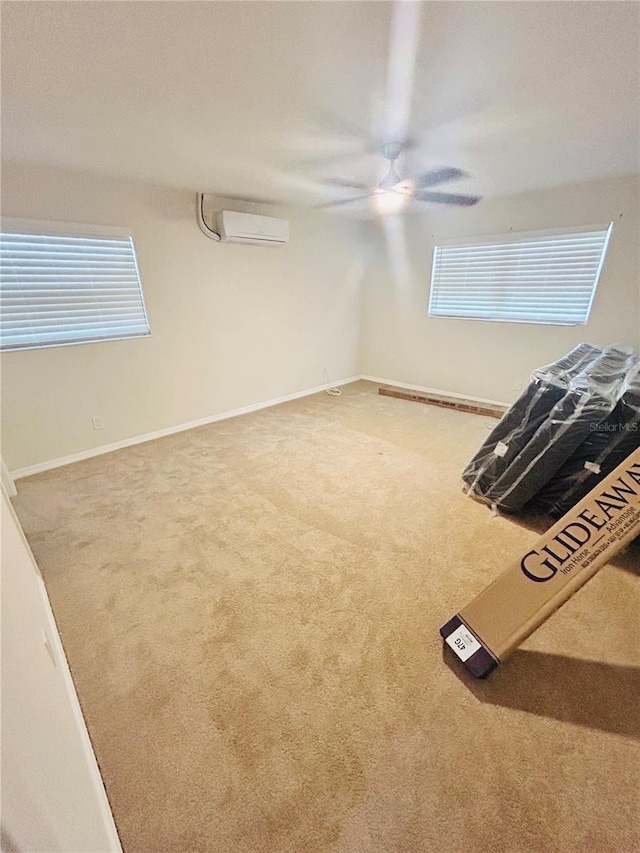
{"points": [[515, 237], [46, 227]]}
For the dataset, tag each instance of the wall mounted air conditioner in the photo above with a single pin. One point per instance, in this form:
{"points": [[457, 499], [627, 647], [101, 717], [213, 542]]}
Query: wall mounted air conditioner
{"points": [[235, 227]]}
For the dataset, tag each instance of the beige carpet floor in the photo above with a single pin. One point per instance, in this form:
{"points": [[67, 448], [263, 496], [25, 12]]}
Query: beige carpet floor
{"points": [[251, 611]]}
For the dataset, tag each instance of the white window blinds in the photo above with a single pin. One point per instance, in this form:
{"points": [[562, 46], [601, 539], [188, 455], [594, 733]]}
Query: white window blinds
{"points": [[68, 288], [548, 278]]}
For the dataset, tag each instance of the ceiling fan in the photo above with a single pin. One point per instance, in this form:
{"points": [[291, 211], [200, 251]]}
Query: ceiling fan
{"points": [[393, 193]]}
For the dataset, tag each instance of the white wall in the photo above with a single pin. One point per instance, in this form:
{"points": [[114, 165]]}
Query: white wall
{"points": [[232, 325], [237, 325], [53, 799], [400, 342]]}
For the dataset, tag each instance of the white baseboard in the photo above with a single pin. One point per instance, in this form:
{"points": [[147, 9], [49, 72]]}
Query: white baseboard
{"points": [[244, 410], [7, 480], [60, 660], [150, 436], [438, 391]]}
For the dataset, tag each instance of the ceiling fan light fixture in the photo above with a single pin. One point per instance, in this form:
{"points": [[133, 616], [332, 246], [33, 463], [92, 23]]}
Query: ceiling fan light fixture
{"points": [[393, 193], [390, 201]]}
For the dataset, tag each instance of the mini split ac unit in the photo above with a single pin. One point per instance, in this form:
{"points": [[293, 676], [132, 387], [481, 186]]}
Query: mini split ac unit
{"points": [[235, 227]]}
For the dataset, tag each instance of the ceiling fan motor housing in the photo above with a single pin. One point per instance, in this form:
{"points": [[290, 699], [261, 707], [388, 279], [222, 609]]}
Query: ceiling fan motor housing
{"points": [[392, 187], [392, 150], [391, 179]]}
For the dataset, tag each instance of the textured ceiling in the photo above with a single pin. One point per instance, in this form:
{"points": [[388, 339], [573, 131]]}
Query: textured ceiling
{"points": [[267, 99]]}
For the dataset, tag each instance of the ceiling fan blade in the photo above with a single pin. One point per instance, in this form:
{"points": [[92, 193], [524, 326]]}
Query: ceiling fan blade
{"points": [[351, 185], [344, 200], [439, 176], [447, 198]]}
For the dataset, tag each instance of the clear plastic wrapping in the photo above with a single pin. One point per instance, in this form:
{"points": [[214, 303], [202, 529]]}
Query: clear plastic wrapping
{"points": [[563, 406], [548, 386], [607, 446]]}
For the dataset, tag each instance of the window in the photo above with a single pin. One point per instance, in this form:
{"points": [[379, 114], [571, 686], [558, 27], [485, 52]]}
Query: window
{"points": [[521, 278], [63, 284]]}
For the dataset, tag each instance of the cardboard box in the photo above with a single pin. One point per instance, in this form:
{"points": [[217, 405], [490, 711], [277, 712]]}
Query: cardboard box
{"points": [[488, 629]]}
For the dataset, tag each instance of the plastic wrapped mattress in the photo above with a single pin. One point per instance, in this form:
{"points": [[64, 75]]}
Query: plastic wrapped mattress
{"points": [[548, 386], [591, 397], [607, 446]]}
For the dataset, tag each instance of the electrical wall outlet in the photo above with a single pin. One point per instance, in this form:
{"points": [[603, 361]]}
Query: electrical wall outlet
{"points": [[97, 422]]}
